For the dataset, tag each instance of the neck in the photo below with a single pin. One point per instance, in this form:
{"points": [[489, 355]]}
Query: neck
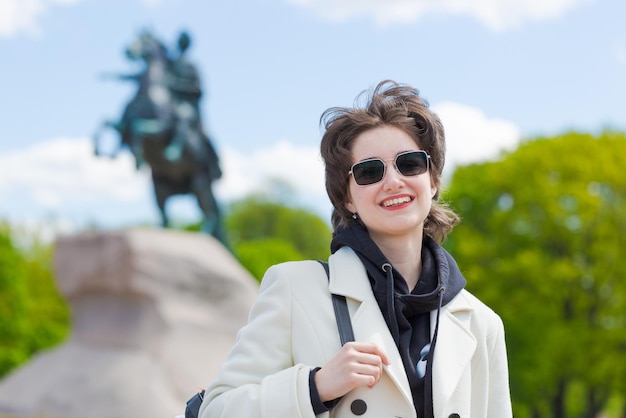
{"points": [[405, 255]]}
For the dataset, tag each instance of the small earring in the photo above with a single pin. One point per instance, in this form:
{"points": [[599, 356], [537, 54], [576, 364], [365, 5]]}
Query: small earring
{"points": [[355, 216]]}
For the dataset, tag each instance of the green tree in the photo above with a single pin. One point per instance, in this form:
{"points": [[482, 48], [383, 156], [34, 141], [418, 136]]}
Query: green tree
{"points": [[13, 324], [264, 232], [47, 310], [541, 241], [33, 316], [257, 255]]}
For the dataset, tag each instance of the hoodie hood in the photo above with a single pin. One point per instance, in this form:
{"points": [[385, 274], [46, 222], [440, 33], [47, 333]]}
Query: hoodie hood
{"points": [[440, 272]]}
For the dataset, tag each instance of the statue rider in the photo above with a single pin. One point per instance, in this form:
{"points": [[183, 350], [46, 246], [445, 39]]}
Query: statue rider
{"points": [[184, 85]]}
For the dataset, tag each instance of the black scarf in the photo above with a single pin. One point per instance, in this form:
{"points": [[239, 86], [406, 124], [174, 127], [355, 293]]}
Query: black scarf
{"points": [[407, 313]]}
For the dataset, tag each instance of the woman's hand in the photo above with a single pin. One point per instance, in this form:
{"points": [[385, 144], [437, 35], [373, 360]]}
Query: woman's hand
{"points": [[356, 364]]}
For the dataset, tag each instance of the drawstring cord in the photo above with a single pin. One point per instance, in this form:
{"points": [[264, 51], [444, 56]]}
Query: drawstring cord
{"points": [[442, 290], [391, 303], [391, 309], [431, 357]]}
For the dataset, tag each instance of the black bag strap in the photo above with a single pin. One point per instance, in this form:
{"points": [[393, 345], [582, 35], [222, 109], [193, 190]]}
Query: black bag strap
{"points": [[193, 405], [342, 315]]}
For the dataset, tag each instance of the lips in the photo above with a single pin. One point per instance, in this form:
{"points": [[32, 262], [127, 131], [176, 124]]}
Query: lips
{"points": [[397, 201]]}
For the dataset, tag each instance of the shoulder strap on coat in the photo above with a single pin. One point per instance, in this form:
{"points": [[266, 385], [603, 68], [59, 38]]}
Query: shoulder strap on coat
{"points": [[342, 315]]}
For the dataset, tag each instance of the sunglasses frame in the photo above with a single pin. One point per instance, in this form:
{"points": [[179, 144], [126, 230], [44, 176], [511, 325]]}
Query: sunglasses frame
{"points": [[395, 164]]}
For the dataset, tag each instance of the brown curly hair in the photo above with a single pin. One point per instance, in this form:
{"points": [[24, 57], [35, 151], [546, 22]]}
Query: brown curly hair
{"points": [[389, 104]]}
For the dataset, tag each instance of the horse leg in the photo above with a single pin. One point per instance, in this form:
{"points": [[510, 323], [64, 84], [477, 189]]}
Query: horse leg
{"points": [[161, 193], [96, 139], [136, 144], [136, 147], [212, 222]]}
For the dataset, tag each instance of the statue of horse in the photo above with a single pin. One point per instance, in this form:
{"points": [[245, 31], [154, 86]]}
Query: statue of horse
{"points": [[161, 126]]}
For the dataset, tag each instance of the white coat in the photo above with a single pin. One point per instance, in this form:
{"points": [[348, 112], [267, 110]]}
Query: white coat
{"points": [[292, 329]]}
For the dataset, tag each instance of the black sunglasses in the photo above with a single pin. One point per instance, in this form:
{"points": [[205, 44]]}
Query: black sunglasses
{"points": [[410, 163]]}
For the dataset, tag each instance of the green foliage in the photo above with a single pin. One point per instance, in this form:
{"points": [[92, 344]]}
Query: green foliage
{"points": [[12, 305], [263, 233], [258, 255], [48, 311], [32, 314], [541, 242]]}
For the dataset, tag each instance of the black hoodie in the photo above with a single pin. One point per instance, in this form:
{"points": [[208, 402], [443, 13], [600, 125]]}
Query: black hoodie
{"points": [[407, 312]]}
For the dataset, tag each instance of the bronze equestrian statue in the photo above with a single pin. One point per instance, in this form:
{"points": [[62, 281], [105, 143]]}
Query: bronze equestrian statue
{"points": [[161, 125]]}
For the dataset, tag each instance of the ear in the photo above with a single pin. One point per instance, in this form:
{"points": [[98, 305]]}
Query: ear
{"points": [[433, 191]]}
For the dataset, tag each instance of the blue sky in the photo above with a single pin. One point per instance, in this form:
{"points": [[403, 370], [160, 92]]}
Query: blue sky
{"points": [[495, 71]]}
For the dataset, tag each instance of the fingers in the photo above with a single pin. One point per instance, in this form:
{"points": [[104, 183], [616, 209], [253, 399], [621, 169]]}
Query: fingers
{"points": [[370, 348], [356, 364], [367, 374]]}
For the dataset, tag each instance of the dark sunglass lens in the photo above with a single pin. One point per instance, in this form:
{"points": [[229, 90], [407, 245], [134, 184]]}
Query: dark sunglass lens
{"points": [[412, 163], [368, 172]]}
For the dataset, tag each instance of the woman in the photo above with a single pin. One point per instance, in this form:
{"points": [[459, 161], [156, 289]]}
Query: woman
{"points": [[425, 347]]}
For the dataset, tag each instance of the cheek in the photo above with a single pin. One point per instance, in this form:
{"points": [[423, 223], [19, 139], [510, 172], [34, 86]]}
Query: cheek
{"points": [[359, 197], [425, 191], [433, 188]]}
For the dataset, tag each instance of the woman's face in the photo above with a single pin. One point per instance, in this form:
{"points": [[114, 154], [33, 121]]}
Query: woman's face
{"points": [[397, 205]]}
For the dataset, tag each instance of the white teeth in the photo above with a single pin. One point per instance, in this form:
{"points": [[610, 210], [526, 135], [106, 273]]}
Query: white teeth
{"points": [[396, 202]]}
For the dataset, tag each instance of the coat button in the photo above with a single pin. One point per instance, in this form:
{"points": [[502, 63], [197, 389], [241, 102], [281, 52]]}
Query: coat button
{"points": [[454, 416], [358, 407]]}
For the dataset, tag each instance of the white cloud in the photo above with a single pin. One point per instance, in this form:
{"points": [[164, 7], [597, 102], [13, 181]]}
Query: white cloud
{"points": [[473, 137], [65, 170], [19, 15], [495, 14], [47, 198], [22, 15], [246, 173]]}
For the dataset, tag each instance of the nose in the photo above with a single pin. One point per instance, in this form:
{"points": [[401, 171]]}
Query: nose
{"points": [[392, 180]]}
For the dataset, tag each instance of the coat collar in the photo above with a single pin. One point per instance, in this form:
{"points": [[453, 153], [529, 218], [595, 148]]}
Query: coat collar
{"points": [[348, 276], [455, 345]]}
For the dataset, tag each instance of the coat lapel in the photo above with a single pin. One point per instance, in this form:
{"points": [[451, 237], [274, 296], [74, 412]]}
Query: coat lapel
{"points": [[454, 350], [348, 277]]}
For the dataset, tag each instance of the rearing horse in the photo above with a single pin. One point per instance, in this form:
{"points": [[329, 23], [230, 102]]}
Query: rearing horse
{"points": [[162, 128]]}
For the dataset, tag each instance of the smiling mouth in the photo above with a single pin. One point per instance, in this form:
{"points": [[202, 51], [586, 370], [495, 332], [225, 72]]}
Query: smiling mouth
{"points": [[396, 202]]}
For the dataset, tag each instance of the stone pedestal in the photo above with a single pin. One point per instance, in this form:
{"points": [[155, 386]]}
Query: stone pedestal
{"points": [[154, 314]]}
